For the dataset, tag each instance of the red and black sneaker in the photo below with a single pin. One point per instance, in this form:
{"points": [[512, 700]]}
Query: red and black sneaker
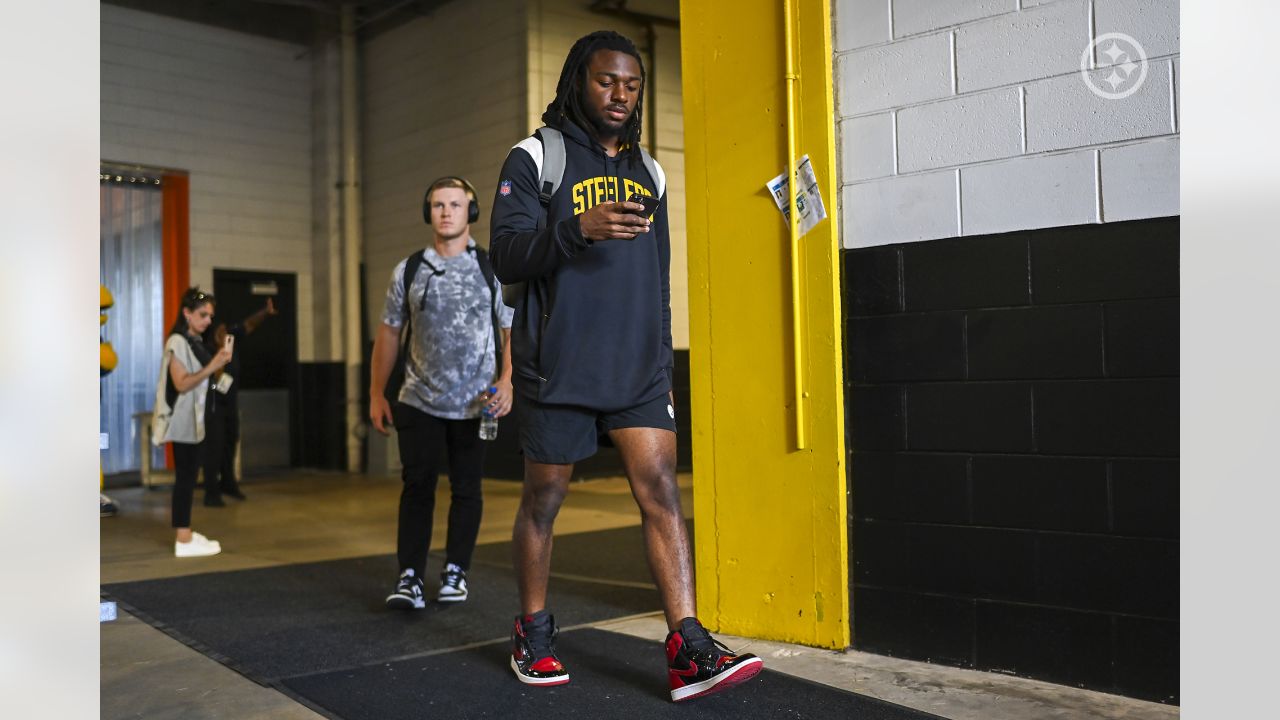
{"points": [[698, 664], [533, 652]]}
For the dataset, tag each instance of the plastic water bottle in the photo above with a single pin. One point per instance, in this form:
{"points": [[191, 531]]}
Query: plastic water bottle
{"points": [[488, 426], [488, 423]]}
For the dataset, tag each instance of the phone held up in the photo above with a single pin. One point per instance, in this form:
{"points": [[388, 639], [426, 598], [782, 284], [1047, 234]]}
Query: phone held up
{"points": [[650, 203]]}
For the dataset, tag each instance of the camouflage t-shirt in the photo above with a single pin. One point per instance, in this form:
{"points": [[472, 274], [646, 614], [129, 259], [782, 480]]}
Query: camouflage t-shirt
{"points": [[451, 357]]}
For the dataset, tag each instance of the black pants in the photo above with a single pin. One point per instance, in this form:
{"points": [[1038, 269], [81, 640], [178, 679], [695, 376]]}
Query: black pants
{"points": [[221, 435], [186, 466], [423, 442]]}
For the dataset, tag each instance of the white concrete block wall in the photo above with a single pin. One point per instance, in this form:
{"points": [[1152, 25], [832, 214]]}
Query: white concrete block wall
{"points": [[968, 129], [866, 23], [1035, 191], [443, 94], [1133, 180], [906, 207], [1017, 46], [967, 117], [869, 147], [1063, 113], [233, 110], [893, 75], [1153, 23], [554, 25], [911, 17]]}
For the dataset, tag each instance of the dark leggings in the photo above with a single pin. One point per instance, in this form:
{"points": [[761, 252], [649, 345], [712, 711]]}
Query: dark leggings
{"points": [[186, 467], [423, 440], [221, 433]]}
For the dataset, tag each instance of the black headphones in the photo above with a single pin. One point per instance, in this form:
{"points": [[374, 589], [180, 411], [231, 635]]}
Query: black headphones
{"points": [[473, 208]]}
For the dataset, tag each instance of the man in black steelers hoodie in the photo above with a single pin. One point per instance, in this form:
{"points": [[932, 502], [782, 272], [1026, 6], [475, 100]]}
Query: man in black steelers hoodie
{"points": [[591, 350]]}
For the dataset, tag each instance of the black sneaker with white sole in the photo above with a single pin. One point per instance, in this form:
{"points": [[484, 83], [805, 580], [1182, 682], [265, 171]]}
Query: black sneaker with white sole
{"points": [[698, 664], [408, 593], [533, 651], [453, 584]]}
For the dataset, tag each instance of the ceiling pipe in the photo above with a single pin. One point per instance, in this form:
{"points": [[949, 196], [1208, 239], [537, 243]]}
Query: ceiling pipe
{"points": [[351, 239]]}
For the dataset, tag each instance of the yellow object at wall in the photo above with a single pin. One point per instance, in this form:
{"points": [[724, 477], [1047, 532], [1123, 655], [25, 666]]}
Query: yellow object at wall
{"points": [[769, 519], [107, 359]]}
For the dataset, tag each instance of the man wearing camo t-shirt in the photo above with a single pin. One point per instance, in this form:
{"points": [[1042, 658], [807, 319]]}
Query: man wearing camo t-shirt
{"points": [[451, 375]]}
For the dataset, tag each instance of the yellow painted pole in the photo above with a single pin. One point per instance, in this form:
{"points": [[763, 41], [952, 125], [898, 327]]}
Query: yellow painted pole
{"points": [[797, 344], [770, 534]]}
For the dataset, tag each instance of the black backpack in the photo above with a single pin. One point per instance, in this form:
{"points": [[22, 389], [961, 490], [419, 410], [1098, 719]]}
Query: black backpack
{"points": [[395, 379]]}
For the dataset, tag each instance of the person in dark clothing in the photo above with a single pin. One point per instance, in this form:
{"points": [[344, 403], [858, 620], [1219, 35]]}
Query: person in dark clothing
{"points": [[591, 351], [222, 415]]}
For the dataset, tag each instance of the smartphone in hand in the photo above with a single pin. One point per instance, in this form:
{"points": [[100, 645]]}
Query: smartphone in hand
{"points": [[650, 203], [229, 342]]}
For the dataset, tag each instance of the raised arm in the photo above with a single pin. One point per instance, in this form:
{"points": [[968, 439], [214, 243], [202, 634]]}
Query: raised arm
{"points": [[252, 322]]}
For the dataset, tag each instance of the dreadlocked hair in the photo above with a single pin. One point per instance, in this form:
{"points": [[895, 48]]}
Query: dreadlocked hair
{"points": [[568, 102]]}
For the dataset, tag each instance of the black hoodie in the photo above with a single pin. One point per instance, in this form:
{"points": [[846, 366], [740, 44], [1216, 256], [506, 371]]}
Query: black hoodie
{"points": [[594, 328]]}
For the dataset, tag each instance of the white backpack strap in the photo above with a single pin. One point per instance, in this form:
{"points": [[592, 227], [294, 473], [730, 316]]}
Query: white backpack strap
{"points": [[553, 161], [546, 149], [655, 172]]}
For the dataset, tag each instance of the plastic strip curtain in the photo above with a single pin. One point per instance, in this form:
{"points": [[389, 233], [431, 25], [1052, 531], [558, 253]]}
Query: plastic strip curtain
{"points": [[131, 268]]}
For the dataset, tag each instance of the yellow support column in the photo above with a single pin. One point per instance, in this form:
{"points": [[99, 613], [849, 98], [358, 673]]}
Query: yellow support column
{"points": [[769, 494]]}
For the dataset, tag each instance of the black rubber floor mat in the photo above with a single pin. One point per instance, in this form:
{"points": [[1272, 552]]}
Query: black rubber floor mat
{"points": [[302, 619], [613, 676]]}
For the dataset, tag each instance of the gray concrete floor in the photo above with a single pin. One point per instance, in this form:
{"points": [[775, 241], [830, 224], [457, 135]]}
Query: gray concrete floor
{"points": [[312, 516]]}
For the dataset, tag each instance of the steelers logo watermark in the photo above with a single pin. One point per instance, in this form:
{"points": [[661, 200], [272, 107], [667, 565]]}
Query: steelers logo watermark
{"points": [[1123, 66]]}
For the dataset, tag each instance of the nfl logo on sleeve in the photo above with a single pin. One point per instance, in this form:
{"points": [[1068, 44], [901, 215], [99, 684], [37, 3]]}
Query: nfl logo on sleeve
{"points": [[504, 188]]}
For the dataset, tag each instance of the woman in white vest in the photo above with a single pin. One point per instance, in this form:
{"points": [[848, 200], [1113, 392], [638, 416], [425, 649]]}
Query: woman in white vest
{"points": [[180, 410]]}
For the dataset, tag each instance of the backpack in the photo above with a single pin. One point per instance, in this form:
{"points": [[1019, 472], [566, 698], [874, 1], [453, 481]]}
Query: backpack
{"points": [[167, 394], [395, 379], [550, 174]]}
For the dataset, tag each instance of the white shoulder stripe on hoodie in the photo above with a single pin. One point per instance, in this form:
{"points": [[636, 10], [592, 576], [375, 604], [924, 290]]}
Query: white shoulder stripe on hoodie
{"points": [[533, 146]]}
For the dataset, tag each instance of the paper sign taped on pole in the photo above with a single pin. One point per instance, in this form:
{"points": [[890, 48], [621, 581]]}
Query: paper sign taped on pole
{"points": [[808, 196]]}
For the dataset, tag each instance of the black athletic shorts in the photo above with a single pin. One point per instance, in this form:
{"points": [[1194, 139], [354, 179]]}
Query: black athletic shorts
{"points": [[562, 434]]}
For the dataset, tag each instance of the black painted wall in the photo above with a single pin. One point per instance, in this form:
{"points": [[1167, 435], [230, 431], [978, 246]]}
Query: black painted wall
{"points": [[1013, 434], [318, 411]]}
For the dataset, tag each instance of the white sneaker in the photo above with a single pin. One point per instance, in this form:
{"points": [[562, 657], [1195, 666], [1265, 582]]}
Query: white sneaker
{"points": [[408, 592], [200, 546], [453, 584]]}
